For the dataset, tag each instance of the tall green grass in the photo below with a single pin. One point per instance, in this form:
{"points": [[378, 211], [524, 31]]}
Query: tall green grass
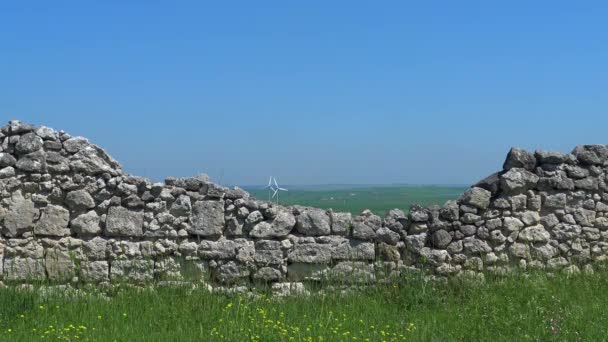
{"points": [[518, 307]]}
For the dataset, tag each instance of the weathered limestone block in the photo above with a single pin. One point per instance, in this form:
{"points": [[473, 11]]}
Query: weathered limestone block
{"points": [[53, 221], [60, 265], [20, 216], [415, 243], [474, 246], [24, 269], [231, 272], [137, 270], [450, 211], [441, 239], [86, 224], [549, 157], [517, 181], [386, 235], [28, 143], [352, 272], [512, 224], [279, 227], [182, 206], [95, 249], [313, 222], [268, 257], [168, 268], [79, 200], [354, 250], [92, 160], [477, 197], [268, 274], [6, 160], [341, 223], [122, 222], [591, 154], [366, 225], [519, 158], [311, 254], [207, 219], [556, 201], [304, 271], [219, 250], [94, 271], [584, 217], [534, 234]]}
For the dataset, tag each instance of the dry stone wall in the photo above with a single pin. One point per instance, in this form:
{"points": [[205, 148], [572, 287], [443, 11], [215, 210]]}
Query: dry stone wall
{"points": [[68, 213]]}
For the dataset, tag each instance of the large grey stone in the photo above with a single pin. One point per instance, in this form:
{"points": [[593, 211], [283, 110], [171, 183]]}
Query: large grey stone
{"points": [[341, 223], [591, 154], [476, 246], [365, 226], [86, 224], [75, 144], [476, 197], [122, 222], [32, 162], [20, 216], [519, 158], [28, 143], [388, 236], [60, 265], [231, 272], [313, 221], [354, 250], [181, 207], [311, 254], [555, 201], [53, 221], [441, 239], [92, 160], [136, 271], [268, 274], [24, 269], [281, 226], [94, 271], [549, 157], [7, 160], [207, 219], [534, 234], [518, 180], [79, 200]]}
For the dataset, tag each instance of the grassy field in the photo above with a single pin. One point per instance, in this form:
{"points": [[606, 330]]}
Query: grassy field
{"points": [[526, 308], [355, 199]]}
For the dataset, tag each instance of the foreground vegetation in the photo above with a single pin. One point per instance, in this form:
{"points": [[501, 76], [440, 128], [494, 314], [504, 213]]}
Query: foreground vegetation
{"points": [[352, 199], [519, 307]]}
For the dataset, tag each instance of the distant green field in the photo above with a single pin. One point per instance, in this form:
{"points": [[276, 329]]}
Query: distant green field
{"points": [[379, 199]]}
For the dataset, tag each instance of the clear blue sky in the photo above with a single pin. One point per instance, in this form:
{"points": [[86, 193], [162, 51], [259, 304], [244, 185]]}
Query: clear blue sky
{"points": [[312, 92]]}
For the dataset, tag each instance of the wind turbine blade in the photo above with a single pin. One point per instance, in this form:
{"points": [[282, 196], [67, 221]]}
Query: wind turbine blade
{"points": [[275, 182], [275, 193], [269, 181], [283, 189]]}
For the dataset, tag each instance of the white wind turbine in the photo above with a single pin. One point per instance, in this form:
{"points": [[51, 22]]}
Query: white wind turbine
{"points": [[269, 187], [276, 189]]}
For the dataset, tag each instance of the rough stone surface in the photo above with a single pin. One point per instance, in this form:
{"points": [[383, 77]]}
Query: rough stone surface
{"points": [[313, 222], [207, 219], [53, 221], [476, 197], [124, 222], [518, 158], [281, 226]]}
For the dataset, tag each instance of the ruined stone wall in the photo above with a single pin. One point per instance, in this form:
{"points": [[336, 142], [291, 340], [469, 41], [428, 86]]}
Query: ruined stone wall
{"points": [[68, 213]]}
